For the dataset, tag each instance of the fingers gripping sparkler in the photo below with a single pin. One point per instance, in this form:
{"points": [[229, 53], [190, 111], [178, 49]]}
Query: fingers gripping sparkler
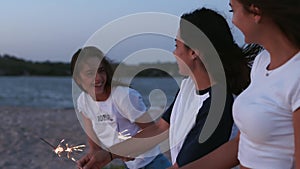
{"points": [[124, 135], [59, 149]]}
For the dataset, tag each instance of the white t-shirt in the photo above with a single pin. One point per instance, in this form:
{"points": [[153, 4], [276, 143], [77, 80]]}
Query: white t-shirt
{"points": [[184, 114], [117, 115], [264, 114]]}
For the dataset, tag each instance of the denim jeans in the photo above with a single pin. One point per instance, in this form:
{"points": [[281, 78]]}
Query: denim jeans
{"points": [[159, 162]]}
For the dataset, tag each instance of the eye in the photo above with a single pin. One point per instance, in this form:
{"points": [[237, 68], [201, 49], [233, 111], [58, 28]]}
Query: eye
{"points": [[90, 73], [101, 70]]}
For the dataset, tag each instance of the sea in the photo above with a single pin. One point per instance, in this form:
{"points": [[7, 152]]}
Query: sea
{"points": [[57, 92]]}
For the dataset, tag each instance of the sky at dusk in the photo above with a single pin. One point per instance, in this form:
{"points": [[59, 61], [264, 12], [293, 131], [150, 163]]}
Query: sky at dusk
{"points": [[40, 30]]}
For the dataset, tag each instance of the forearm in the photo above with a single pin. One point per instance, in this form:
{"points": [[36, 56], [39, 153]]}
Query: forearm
{"points": [[151, 131], [93, 140], [93, 145], [223, 157], [296, 124], [136, 146], [143, 141]]}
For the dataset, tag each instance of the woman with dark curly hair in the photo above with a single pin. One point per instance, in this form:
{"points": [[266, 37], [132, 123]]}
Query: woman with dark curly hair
{"points": [[268, 111]]}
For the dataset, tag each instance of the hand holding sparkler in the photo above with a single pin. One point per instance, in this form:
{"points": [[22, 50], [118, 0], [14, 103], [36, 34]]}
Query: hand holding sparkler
{"points": [[59, 149], [96, 160], [124, 135]]}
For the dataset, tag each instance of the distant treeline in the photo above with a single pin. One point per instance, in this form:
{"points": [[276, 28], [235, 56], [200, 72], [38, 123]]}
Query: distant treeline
{"points": [[13, 66]]}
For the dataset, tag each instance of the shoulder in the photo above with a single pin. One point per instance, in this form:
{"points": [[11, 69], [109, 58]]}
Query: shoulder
{"points": [[294, 64], [82, 101], [125, 96], [221, 91], [123, 91], [220, 100], [261, 58], [81, 98]]}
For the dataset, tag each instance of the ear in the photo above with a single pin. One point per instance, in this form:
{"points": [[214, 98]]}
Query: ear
{"points": [[256, 13], [193, 54], [197, 53]]}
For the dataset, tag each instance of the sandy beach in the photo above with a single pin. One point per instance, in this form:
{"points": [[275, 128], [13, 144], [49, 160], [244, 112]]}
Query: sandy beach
{"points": [[21, 129]]}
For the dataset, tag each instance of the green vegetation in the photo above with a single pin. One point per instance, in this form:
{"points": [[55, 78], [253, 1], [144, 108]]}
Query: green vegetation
{"points": [[12, 66], [148, 70]]}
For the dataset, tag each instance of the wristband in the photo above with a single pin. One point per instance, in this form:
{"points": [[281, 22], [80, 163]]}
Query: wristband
{"points": [[111, 158]]}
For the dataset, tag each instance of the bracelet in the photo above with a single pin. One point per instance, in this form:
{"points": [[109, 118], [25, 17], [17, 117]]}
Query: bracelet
{"points": [[111, 158]]}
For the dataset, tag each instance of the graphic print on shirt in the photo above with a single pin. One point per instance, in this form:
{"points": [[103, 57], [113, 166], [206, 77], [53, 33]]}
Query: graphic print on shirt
{"points": [[104, 118]]}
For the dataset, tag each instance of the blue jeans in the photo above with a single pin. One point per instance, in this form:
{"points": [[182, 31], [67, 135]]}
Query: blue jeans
{"points": [[159, 162]]}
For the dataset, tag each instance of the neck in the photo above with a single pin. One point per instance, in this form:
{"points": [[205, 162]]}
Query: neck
{"points": [[281, 51], [104, 96], [202, 80]]}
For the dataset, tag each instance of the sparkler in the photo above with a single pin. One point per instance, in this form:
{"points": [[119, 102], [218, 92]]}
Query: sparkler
{"points": [[124, 135], [59, 149]]}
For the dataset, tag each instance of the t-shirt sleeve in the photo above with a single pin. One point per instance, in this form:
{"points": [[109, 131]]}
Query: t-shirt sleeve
{"points": [[129, 103], [256, 62], [295, 101], [167, 114], [81, 105], [192, 149]]}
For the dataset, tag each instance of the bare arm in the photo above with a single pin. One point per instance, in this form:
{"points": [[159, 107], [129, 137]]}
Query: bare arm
{"points": [[223, 157], [97, 157], [93, 140], [143, 141], [296, 123], [144, 121]]}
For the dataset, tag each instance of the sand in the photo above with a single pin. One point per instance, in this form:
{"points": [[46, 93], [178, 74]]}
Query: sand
{"points": [[21, 129]]}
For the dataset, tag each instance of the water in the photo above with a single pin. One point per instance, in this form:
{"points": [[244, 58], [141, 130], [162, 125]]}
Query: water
{"points": [[157, 92], [56, 92], [49, 92]]}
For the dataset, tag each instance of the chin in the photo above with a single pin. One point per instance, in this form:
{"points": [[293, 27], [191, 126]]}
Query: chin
{"points": [[183, 73]]}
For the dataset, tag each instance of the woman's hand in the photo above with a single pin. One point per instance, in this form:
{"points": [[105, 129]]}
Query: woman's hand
{"points": [[94, 159]]}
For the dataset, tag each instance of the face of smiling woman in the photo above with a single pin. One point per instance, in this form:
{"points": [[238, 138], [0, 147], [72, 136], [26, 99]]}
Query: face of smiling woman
{"points": [[245, 21], [92, 78]]}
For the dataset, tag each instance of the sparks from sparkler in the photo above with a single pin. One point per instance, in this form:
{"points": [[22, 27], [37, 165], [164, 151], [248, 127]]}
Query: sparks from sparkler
{"points": [[59, 149], [124, 135]]}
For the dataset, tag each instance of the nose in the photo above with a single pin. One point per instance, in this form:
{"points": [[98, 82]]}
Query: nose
{"points": [[174, 53], [97, 77]]}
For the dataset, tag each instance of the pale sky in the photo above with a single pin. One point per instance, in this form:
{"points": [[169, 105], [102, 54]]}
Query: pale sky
{"points": [[40, 30]]}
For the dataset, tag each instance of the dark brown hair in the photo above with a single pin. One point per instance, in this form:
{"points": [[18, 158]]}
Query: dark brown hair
{"points": [[217, 30], [284, 13]]}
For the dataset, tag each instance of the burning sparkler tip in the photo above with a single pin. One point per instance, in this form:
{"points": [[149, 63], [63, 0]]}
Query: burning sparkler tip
{"points": [[59, 149]]}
